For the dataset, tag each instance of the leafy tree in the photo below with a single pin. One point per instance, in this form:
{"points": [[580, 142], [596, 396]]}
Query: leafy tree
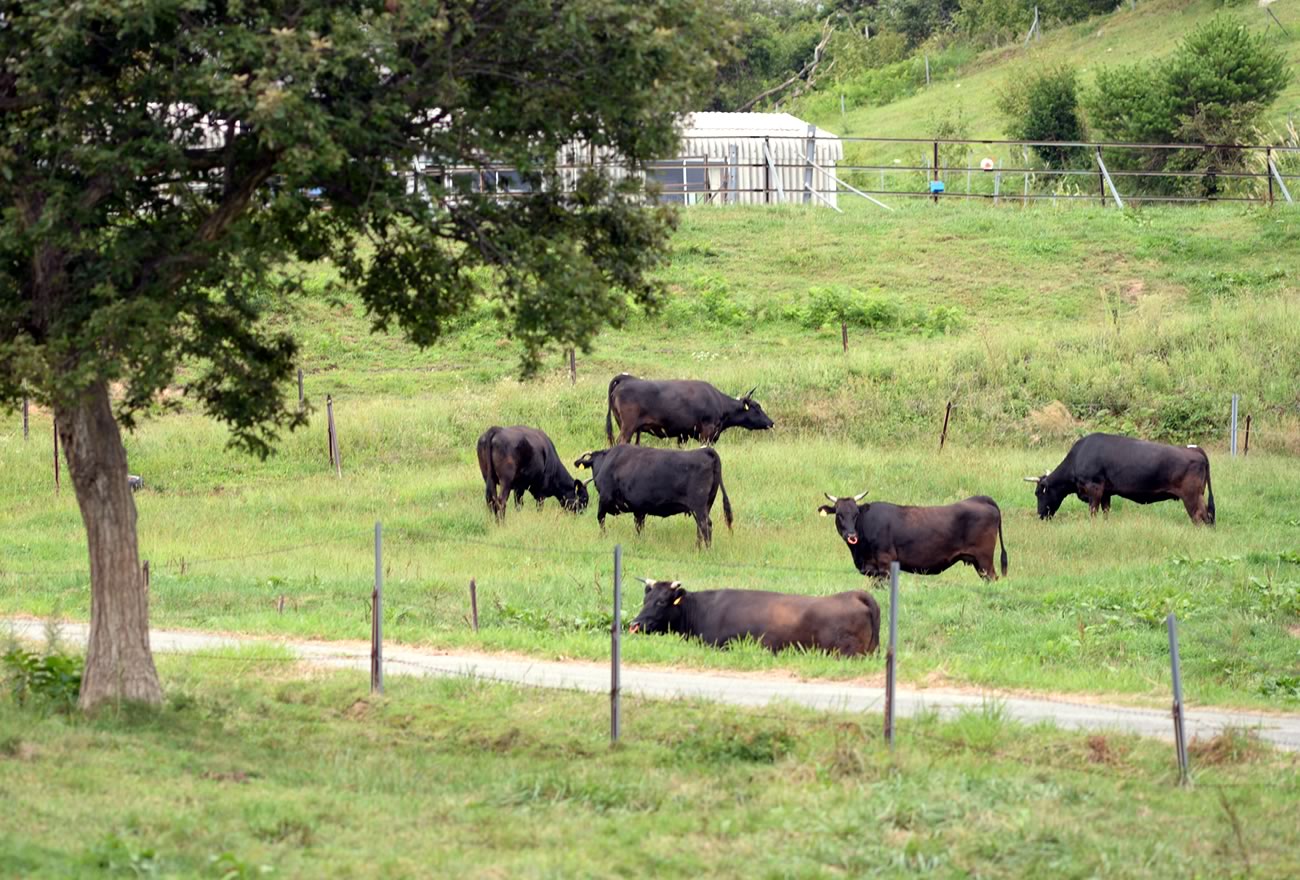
{"points": [[918, 20], [1212, 89], [1045, 107], [162, 161]]}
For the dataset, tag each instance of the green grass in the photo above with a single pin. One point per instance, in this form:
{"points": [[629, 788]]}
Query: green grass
{"points": [[1142, 324], [251, 769]]}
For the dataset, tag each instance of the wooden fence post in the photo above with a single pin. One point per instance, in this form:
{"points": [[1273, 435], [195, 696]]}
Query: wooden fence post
{"points": [[890, 657], [1232, 436], [56, 455], [377, 617], [473, 602], [1246, 450], [615, 644], [844, 336], [1180, 729], [24, 419], [943, 435], [300, 399], [573, 367], [146, 575], [333, 436]]}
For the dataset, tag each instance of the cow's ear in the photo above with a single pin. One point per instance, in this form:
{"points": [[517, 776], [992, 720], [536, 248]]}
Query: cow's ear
{"points": [[826, 510], [678, 592]]}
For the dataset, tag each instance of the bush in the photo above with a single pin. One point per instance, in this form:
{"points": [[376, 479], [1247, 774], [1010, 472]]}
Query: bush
{"points": [[1045, 107], [1212, 89], [53, 677]]}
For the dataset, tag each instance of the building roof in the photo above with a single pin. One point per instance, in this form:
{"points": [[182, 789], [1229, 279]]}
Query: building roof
{"points": [[715, 134], [722, 125]]}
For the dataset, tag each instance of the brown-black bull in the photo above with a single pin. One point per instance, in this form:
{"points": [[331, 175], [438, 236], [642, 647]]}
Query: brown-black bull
{"points": [[922, 540], [644, 481], [520, 459], [845, 623], [677, 409], [1101, 466]]}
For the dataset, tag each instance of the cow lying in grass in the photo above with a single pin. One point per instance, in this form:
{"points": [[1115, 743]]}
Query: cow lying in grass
{"points": [[845, 623]]}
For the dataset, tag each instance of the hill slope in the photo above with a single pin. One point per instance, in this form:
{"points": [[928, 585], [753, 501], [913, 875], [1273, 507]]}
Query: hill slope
{"points": [[1125, 36]]}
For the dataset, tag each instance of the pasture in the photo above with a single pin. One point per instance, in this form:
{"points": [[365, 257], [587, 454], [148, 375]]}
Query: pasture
{"points": [[258, 767], [1040, 325]]}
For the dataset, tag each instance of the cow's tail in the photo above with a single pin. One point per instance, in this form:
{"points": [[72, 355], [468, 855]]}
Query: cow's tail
{"points": [[726, 502], [1208, 485], [1002, 542], [485, 464], [609, 407]]}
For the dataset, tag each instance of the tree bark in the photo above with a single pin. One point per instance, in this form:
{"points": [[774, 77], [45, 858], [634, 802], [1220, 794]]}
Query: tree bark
{"points": [[119, 663]]}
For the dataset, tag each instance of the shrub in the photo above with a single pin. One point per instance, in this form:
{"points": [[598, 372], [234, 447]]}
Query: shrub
{"points": [[1045, 107], [54, 677], [1212, 89]]}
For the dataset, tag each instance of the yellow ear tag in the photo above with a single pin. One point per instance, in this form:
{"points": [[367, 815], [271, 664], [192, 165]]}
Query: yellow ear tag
{"points": [[823, 513], [677, 601], [746, 406]]}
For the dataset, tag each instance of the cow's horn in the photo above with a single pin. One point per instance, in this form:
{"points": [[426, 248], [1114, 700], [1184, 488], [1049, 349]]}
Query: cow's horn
{"points": [[649, 582], [1032, 479], [751, 391], [860, 496], [589, 482], [832, 498]]}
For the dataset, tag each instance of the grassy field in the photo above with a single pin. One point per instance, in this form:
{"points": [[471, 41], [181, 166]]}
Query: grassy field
{"points": [[1050, 323], [968, 85], [253, 769]]}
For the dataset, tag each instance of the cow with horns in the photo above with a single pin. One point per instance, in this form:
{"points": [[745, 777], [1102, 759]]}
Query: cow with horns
{"points": [[1101, 466], [678, 409], [520, 459], [922, 540], [845, 623]]}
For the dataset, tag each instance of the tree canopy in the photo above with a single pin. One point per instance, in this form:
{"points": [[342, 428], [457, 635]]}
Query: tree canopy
{"points": [[163, 161]]}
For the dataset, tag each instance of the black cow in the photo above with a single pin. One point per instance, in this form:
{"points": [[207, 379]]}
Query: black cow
{"points": [[658, 482], [1101, 466], [845, 623], [922, 540], [678, 409], [523, 459]]}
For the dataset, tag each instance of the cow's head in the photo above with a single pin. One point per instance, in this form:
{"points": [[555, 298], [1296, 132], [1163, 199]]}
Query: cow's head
{"points": [[591, 460], [1050, 494], [662, 607], [845, 511], [751, 415], [576, 500]]}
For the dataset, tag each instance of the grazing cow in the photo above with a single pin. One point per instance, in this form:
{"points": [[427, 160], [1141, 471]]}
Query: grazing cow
{"points": [[845, 623], [922, 540], [1100, 466], [679, 409], [645, 482], [522, 459]]}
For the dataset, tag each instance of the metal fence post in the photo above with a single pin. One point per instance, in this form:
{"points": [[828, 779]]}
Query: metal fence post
{"points": [[890, 657], [615, 643], [24, 419], [943, 435], [810, 156], [1180, 731], [333, 436], [56, 455], [1268, 164], [1232, 437], [377, 617]]}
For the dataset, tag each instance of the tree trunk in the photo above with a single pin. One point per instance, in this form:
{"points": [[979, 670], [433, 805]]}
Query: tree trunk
{"points": [[119, 663]]}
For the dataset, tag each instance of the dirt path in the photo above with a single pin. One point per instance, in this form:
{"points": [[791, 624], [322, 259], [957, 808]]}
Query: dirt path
{"points": [[1282, 730]]}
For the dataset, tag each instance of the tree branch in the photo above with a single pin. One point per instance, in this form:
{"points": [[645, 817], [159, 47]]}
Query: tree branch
{"points": [[809, 69]]}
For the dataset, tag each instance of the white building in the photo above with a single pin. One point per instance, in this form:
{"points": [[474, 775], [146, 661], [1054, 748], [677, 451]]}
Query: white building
{"points": [[750, 158]]}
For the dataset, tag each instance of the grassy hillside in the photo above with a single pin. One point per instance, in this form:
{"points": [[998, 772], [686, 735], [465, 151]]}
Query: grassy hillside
{"points": [[254, 769], [1057, 322], [970, 84]]}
